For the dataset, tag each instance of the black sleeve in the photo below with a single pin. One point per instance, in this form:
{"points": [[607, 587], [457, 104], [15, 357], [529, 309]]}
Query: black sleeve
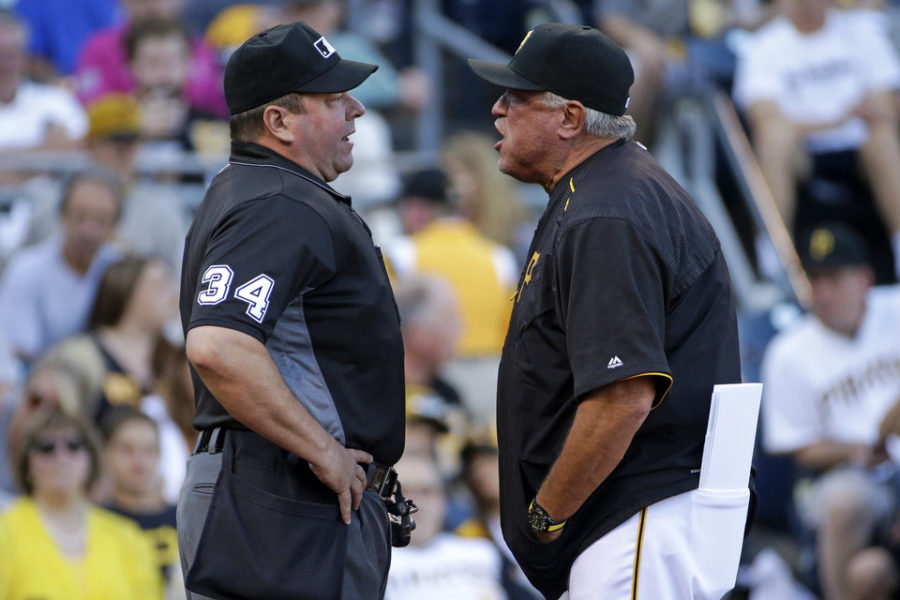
{"points": [[260, 257], [612, 301]]}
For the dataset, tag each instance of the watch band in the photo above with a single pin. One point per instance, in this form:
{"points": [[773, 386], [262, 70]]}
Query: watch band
{"points": [[541, 521]]}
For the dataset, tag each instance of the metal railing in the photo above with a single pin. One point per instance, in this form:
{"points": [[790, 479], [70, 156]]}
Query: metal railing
{"points": [[687, 148]]}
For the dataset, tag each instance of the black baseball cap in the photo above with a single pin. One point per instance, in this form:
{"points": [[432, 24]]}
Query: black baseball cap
{"points": [[576, 62], [831, 245], [292, 57], [431, 184]]}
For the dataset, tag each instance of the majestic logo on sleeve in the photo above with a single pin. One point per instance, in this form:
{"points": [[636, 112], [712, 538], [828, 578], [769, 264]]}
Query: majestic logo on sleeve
{"points": [[614, 363], [324, 48]]}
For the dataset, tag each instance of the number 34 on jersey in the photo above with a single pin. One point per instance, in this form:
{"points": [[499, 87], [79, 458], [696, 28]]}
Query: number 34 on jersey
{"points": [[255, 292]]}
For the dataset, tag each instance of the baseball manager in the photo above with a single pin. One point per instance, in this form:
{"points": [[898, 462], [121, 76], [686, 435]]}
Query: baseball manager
{"points": [[622, 324]]}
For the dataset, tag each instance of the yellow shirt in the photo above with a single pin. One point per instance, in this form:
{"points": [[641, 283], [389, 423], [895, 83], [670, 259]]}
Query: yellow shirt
{"points": [[482, 274], [117, 565]]}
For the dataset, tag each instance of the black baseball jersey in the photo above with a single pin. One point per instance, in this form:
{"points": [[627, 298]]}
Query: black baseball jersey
{"points": [[276, 253], [625, 278]]}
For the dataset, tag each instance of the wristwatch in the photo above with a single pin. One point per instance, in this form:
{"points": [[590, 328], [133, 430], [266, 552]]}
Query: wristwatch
{"points": [[540, 520]]}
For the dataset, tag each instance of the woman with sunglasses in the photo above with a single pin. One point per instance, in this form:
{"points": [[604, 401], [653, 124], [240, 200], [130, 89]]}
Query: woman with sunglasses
{"points": [[54, 543]]}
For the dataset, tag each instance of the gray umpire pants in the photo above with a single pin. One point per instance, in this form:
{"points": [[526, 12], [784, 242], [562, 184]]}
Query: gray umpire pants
{"points": [[366, 565]]}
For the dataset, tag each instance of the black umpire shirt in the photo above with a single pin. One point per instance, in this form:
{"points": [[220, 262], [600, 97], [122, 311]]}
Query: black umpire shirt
{"points": [[276, 253], [625, 278]]}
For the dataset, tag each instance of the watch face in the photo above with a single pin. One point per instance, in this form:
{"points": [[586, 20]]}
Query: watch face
{"points": [[538, 519]]}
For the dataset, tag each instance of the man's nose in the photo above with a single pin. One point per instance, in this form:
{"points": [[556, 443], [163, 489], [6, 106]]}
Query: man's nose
{"points": [[355, 108]]}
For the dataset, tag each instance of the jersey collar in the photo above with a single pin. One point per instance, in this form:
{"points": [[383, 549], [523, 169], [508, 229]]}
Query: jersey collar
{"points": [[255, 155]]}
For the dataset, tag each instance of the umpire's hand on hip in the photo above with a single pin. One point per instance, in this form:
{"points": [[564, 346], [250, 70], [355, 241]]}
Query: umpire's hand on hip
{"points": [[338, 468]]}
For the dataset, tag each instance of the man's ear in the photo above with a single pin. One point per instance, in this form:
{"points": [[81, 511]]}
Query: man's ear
{"points": [[572, 123], [275, 122]]}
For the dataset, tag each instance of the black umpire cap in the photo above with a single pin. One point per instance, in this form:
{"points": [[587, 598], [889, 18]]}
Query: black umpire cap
{"points": [[292, 57], [576, 62]]}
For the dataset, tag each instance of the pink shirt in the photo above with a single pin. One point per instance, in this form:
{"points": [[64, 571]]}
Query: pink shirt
{"points": [[103, 68]]}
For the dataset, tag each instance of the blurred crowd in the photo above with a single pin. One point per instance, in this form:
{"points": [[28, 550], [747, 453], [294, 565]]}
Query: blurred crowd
{"points": [[112, 120]]}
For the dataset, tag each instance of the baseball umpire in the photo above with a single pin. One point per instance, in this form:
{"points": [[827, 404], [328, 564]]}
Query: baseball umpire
{"points": [[622, 324], [294, 342]]}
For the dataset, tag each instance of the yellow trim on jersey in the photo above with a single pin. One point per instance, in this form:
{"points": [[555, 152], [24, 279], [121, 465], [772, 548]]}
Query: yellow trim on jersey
{"points": [[566, 207], [637, 554], [572, 183], [666, 375]]}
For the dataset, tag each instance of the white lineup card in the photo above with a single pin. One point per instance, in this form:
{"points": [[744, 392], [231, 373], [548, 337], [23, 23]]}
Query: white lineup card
{"points": [[730, 435]]}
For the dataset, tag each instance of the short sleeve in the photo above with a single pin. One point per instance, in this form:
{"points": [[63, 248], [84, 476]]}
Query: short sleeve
{"points": [[877, 57], [788, 414], [263, 254], [612, 301], [755, 77]]}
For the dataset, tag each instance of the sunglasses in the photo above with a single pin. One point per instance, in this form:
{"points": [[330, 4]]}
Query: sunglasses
{"points": [[47, 447]]}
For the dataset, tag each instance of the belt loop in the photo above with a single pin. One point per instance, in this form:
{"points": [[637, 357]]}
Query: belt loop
{"points": [[202, 441], [217, 440]]}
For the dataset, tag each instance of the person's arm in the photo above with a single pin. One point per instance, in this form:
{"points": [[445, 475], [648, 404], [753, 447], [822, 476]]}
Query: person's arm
{"points": [[828, 454], [629, 34], [605, 423], [240, 373]]}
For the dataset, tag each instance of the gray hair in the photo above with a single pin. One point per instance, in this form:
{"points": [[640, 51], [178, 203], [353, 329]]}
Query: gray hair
{"points": [[598, 123]]}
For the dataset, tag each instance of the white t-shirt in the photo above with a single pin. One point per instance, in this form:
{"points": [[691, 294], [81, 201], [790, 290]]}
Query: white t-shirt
{"points": [[24, 121], [173, 451], [820, 385], [448, 568], [818, 78]]}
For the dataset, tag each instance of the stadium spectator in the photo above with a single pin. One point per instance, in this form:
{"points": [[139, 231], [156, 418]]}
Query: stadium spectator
{"points": [[58, 30], [436, 418], [159, 58], [482, 275], [649, 31], [437, 563], [32, 115], [135, 298], [171, 405], [50, 386], [46, 290], [103, 64], [486, 197], [132, 461], [430, 325], [481, 475], [817, 87], [154, 220], [830, 380], [54, 543]]}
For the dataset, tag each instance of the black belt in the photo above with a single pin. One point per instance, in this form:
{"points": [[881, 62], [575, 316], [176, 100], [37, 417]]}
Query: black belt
{"points": [[380, 478]]}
